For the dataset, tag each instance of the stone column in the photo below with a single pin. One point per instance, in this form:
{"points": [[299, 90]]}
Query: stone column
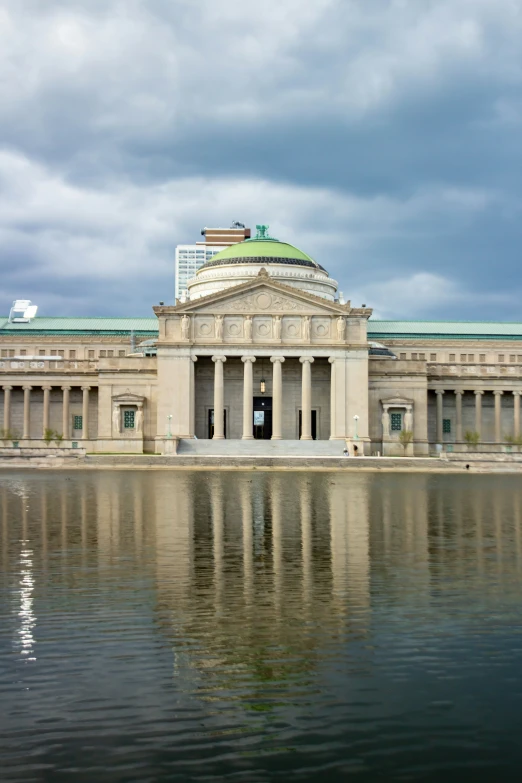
{"points": [[7, 407], [27, 412], [498, 412], [458, 403], [332, 397], [440, 415], [85, 412], [193, 396], [277, 397], [248, 397], [45, 424], [516, 414], [65, 413], [219, 407], [306, 398], [478, 412]]}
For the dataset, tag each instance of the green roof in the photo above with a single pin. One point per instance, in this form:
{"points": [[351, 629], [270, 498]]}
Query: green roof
{"points": [[458, 330], [269, 251], [63, 325]]}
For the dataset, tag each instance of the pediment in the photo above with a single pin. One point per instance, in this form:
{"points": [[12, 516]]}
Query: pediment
{"points": [[263, 297], [397, 401], [127, 398]]}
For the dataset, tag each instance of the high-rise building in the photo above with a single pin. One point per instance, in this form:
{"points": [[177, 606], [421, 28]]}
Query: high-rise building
{"points": [[189, 258]]}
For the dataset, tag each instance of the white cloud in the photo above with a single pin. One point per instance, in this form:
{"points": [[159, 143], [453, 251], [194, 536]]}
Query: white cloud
{"points": [[414, 295], [125, 231]]}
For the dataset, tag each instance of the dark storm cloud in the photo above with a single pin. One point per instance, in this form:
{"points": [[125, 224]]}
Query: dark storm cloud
{"points": [[382, 137]]}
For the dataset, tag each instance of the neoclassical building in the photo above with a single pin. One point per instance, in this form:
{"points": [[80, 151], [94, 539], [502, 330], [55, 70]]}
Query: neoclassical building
{"points": [[263, 348]]}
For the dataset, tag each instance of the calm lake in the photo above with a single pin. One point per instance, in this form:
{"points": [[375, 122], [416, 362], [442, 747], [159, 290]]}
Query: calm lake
{"points": [[259, 626]]}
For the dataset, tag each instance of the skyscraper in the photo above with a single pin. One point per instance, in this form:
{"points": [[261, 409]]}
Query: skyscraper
{"points": [[189, 258]]}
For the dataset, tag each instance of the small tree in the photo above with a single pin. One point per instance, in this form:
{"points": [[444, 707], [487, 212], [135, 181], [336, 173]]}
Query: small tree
{"points": [[58, 437], [472, 438], [405, 437], [7, 435], [48, 436]]}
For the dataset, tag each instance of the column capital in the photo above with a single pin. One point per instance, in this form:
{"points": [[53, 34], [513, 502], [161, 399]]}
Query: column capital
{"points": [[47, 387], [332, 359], [515, 393], [27, 388], [9, 388], [248, 359], [304, 359], [86, 388], [459, 391], [66, 388], [281, 359], [477, 392], [498, 393], [439, 391], [194, 358], [219, 358]]}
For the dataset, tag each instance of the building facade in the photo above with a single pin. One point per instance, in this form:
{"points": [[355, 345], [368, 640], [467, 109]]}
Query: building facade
{"points": [[262, 348], [190, 258]]}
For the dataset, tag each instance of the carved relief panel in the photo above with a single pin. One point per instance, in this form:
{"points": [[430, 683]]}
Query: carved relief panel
{"points": [[292, 329], [262, 329], [322, 328], [204, 328]]}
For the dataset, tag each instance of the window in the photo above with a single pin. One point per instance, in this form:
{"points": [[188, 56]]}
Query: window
{"points": [[422, 357], [103, 354], [452, 357], [414, 357], [41, 352], [462, 357], [519, 358], [433, 357], [4, 352], [128, 420], [121, 353], [77, 422], [110, 353], [512, 358], [403, 356], [90, 354], [72, 354], [471, 357], [61, 353], [482, 357], [23, 352], [446, 426], [501, 357], [396, 422]]}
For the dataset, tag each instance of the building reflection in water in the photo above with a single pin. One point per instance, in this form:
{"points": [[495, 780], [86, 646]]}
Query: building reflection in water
{"points": [[256, 577]]}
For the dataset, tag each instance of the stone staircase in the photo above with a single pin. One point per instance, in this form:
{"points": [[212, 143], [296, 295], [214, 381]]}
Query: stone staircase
{"points": [[261, 448]]}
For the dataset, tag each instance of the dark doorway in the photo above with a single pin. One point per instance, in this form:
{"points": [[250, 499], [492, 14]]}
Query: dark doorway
{"points": [[211, 423], [262, 418], [314, 424]]}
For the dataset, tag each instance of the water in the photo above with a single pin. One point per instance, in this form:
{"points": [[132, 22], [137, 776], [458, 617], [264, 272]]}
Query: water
{"points": [[165, 626]]}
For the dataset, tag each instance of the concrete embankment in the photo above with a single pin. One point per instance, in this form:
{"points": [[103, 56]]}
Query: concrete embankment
{"points": [[67, 459]]}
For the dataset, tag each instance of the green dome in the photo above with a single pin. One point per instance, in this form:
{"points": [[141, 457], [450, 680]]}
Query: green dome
{"points": [[261, 251]]}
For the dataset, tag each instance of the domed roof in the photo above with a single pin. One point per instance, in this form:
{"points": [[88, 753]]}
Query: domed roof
{"points": [[262, 249]]}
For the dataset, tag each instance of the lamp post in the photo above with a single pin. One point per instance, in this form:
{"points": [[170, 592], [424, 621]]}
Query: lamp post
{"points": [[356, 419], [169, 431]]}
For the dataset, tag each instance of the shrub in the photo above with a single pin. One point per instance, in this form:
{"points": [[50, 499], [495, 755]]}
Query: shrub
{"points": [[405, 437], [472, 438]]}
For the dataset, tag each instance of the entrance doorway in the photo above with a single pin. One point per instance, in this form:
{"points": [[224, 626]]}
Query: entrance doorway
{"points": [[211, 423], [314, 424], [262, 418]]}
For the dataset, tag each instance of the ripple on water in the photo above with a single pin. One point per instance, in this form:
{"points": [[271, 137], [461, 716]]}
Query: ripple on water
{"points": [[257, 627]]}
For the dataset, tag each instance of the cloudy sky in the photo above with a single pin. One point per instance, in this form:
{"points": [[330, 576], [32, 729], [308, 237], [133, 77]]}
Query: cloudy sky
{"points": [[384, 137]]}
